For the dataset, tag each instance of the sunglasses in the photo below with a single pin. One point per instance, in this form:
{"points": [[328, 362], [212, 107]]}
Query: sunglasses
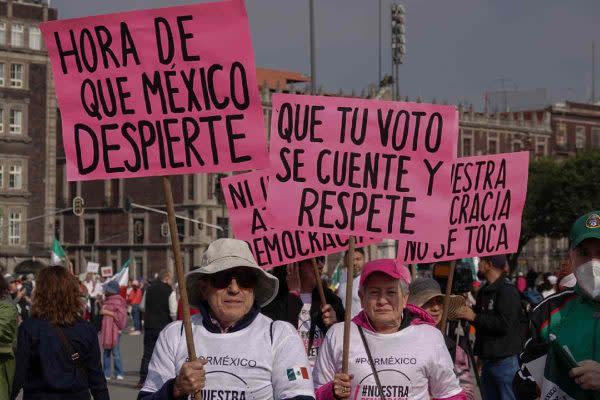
{"points": [[244, 278]]}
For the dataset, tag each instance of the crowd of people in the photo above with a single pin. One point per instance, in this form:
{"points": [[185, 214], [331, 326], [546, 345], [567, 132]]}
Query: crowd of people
{"points": [[268, 335]]}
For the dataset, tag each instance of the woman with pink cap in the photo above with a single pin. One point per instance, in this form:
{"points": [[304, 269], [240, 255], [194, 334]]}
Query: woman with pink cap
{"points": [[395, 351]]}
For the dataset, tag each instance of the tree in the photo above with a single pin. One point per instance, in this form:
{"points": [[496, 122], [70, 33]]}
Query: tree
{"points": [[558, 193]]}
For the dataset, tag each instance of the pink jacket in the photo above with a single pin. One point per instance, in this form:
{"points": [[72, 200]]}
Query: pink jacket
{"points": [[109, 333], [419, 317]]}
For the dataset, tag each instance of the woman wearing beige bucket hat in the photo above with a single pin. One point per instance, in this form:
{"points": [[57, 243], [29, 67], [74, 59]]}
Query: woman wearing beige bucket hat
{"points": [[242, 353], [427, 294]]}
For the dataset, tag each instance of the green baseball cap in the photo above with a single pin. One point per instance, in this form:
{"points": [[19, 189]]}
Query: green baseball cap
{"points": [[586, 227]]}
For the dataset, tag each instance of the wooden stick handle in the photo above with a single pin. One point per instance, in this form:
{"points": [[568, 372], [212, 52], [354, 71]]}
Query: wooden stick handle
{"points": [[319, 282], [348, 317], [444, 320], [187, 323]]}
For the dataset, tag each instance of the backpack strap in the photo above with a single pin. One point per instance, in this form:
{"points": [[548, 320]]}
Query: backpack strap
{"points": [[371, 363]]}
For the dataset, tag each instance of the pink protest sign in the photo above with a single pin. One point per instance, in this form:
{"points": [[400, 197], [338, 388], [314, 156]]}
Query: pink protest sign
{"points": [[245, 196], [157, 92], [488, 196], [361, 167]]}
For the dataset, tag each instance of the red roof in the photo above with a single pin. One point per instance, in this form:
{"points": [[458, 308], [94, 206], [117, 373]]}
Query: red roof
{"points": [[276, 78]]}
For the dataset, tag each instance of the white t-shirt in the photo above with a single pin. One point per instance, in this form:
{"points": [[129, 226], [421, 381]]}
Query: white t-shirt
{"points": [[413, 363], [241, 365], [356, 306], [304, 328]]}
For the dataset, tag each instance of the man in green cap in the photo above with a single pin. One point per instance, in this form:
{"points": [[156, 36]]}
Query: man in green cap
{"points": [[562, 357]]}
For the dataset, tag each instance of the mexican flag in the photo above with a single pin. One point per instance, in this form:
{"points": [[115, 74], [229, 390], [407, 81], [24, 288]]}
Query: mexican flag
{"points": [[57, 254], [556, 383], [123, 275]]}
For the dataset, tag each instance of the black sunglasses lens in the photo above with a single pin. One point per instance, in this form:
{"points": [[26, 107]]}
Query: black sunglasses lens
{"points": [[245, 279]]}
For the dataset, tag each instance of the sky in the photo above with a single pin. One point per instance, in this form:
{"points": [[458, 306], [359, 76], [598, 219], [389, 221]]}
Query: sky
{"points": [[456, 49]]}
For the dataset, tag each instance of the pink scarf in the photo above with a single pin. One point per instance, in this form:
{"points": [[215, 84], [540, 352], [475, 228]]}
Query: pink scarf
{"points": [[109, 334]]}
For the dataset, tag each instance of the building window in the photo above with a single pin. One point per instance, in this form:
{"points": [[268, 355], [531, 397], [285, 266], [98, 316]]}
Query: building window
{"points": [[16, 36], [580, 137], [1, 227], [1, 179], [2, 33], [1, 74], [57, 230], [596, 138], [1, 120], [89, 231], [561, 135], [15, 177], [492, 146], [191, 189], [181, 228], [16, 121], [467, 146], [14, 228], [35, 38], [138, 230], [138, 263], [16, 75], [210, 189], [517, 146]]}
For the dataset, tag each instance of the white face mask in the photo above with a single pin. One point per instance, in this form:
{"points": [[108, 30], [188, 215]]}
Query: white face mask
{"points": [[588, 278]]}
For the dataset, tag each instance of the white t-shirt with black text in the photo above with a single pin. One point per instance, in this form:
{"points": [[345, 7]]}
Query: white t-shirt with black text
{"points": [[412, 363], [244, 364], [304, 322]]}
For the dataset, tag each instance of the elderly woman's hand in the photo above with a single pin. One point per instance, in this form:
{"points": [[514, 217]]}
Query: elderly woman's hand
{"points": [[191, 378], [342, 383]]}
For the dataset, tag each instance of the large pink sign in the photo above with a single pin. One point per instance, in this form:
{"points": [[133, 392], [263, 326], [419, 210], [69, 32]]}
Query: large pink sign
{"points": [[488, 196], [158, 92], [245, 195], [361, 167]]}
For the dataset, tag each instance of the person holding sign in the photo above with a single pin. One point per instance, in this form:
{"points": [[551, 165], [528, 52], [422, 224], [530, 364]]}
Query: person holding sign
{"points": [[571, 318], [395, 352], [242, 354], [302, 306]]}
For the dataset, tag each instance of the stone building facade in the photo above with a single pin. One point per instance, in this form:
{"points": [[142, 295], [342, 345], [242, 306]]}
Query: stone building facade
{"points": [[27, 135]]}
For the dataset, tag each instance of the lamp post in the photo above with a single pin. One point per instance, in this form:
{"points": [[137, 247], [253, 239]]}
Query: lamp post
{"points": [[313, 61], [398, 44]]}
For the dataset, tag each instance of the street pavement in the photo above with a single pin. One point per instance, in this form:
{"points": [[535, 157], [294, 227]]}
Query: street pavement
{"points": [[131, 353]]}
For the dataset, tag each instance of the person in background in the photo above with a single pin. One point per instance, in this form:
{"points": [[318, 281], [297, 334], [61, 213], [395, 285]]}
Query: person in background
{"points": [[409, 355], [497, 318], [58, 354], [17, 294], [359, 262], [548, 288], [8, 339], [566, 277], [29, 284], [572, 318], [114, 319], [94, 291], [134, 299], [427, 294], [159, 305], [302, 306]]}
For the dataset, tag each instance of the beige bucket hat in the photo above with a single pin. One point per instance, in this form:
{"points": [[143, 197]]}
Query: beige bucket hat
{"points": [[224, 254]]}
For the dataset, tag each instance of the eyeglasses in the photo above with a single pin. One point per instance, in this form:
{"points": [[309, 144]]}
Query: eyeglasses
{"points": [[244, 278]]}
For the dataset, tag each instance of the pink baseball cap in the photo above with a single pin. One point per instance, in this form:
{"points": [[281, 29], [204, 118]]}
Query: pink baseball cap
{"points": [[387, 266]]}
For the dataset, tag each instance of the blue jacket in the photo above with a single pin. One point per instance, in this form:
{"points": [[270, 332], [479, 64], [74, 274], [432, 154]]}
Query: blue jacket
{"points": [[44, 369]]}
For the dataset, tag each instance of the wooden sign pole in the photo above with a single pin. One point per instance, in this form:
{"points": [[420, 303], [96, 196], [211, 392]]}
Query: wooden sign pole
{"points": [[319, 282], [348, 318], [444, 320], [187, 323]]}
